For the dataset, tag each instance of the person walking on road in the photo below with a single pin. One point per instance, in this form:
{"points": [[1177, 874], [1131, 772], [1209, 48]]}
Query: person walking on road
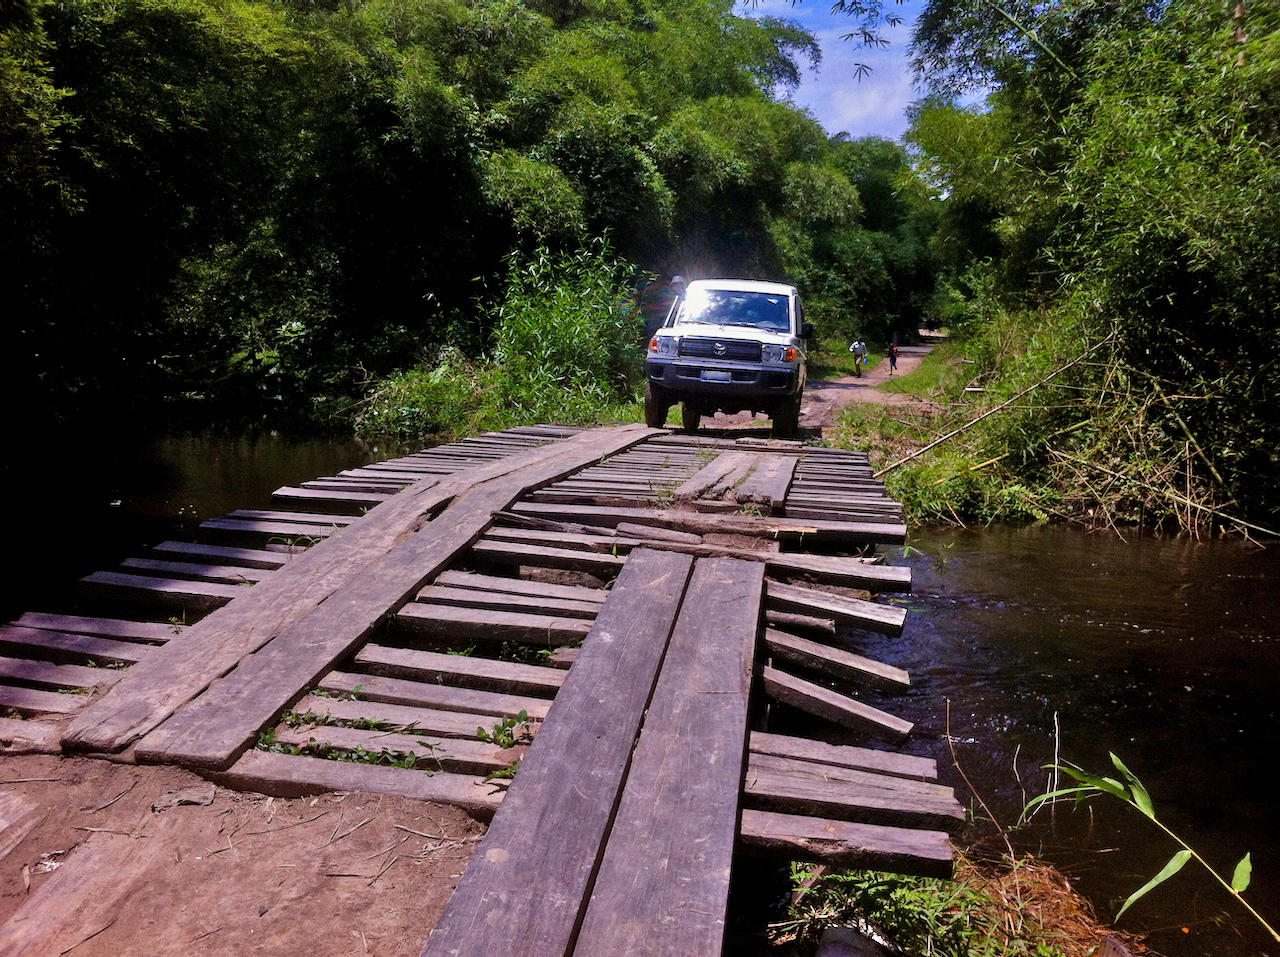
{"points": [[893, 359], [859, 350]]}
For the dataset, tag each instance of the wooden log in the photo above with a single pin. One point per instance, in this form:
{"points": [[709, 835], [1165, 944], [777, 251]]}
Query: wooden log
{"points": [[885, 619], [835, 661], [844, 755], [444, 724], [833, 706], [793, 837], [521, 586], [68, 648], [46, 674], [442, 622], [787, 794], [430, 754], [291, 775], [462, 671], [507, 601], [823, 627], [331, 578], [679, 809], [420, 694], [570, 782], [30, 737]]}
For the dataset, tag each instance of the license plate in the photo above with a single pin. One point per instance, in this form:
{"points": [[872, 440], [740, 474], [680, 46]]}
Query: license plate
{"points": [[716, 375]]}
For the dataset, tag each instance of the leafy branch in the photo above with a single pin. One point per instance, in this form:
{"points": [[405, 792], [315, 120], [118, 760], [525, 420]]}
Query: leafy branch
{"points": [[1134, 794]]}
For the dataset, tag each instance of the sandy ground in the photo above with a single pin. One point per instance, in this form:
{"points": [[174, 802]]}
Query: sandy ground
{"points": [[137, 868], [335, 874], [823, 400]]}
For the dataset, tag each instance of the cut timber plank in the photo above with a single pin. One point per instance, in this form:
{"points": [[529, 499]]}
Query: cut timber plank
{"points": [[329, 578], [45, 674], [844, 755], [445, 724], [833, 706], [462, 670], [432, 754], [167, 593], [794, 837], [483, 624], [226, 554], [73, 649], [679, 809], [507, 601], [31, 737], [718, 477], [29, 701], [885, 619], [768, 483], [834, 661], [817, 771], [348, 503], [520, 896], [17, 817], [849, 533], [195, 571], [420, 694], [544, 556], [834, 570], [291, 775], [768, 791], [521, 586], [148, 631]]}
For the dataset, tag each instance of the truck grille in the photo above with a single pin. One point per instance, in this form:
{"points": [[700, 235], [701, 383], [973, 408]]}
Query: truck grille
{"points": [[735, 349]]}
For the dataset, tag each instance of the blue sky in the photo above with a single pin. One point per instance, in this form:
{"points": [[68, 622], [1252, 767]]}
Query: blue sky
{"points": [[871, 106]]}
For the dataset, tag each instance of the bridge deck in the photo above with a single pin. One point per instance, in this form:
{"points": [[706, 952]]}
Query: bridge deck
{"points": [[629, 710]]}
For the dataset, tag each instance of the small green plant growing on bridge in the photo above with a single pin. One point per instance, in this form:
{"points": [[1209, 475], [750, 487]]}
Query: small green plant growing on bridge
{"points": [[508, 732], [1131, 791]]}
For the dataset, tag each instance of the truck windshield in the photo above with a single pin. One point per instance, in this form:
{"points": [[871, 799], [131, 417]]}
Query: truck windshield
{"points": [[732, 308]]}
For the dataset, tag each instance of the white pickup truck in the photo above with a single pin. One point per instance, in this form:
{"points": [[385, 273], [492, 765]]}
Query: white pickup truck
{"points": [[729, 345]]}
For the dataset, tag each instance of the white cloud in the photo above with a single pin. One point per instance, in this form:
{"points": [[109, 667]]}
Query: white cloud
{"points": [[874, 105]]}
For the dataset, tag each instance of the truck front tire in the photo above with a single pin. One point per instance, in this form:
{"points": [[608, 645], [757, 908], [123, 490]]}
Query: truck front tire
{"points": [[656, 406]]}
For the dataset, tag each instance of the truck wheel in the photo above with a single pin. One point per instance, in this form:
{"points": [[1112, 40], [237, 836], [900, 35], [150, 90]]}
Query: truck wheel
{"points": [[786, 418], [656, 406], [690, 415]]}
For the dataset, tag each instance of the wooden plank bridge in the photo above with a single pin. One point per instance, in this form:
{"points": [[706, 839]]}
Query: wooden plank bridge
{"points": [[633, 711]]}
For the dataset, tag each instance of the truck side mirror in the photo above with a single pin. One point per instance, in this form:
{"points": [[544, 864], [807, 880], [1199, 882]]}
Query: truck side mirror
{"points": [[806, 330]]}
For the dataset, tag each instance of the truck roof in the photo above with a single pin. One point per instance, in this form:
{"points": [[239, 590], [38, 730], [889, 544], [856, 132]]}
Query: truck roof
{"points": [[743, 285]]}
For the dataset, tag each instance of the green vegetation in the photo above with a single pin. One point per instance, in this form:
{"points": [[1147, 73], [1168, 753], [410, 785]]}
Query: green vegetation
{"points": [[1132, 792]]}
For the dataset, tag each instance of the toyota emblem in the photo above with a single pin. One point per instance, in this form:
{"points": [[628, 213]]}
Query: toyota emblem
{"points": [[720, 349]]}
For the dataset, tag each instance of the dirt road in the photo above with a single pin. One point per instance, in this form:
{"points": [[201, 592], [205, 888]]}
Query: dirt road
{"points": [[824, 399]]}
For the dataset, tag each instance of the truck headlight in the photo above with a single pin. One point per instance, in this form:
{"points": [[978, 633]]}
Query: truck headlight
{"points": [[770, 353], [663, 346]]}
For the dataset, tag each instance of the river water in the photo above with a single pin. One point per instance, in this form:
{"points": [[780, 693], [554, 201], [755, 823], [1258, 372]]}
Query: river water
{"points": [[1024, 645]]}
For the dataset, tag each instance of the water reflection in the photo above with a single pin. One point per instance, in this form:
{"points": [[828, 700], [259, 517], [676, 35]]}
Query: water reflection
{"points": [[1165, 651]]}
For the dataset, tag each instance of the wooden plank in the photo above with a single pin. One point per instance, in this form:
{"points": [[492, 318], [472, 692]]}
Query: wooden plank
{"points": [[72, 649], [649, 533], [793, 837], [718, 477], [844, 755], [506, 601], [29, 701], [225, 554], [290, 533], [833, 706], [543, 556], [855, 533], [432, 754], [520, 586], [885, 619], [193, 571], [30, 737], [818, 771], [463, 671], [768, 483], [445, 724], [835, 661], [316, 579], [767, 791], [291, 775], [461, 625], [420, 694], [521, 896], [17, 817], [342, 502], [166, 593], [679, 809], [149, 631], [835, 570], [46, 674]]}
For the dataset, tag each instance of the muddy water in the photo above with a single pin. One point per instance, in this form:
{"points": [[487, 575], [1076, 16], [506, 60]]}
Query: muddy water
{"points": [[1044, 642], [1166, 652]]}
